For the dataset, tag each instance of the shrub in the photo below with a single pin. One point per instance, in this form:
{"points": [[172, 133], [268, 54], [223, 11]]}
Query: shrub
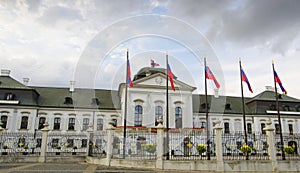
{"points": [[74, 147], [288, 149], [58, 147], [5, 147], [26, 147], [245, 149], [201, 148], [150, 148]]}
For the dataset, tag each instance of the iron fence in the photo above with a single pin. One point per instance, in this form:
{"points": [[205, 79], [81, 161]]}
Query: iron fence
{"points": [[291, 140], [232, 143], [183, 145], [20, 143], [139, 144], [66, 144], [98, 143]]}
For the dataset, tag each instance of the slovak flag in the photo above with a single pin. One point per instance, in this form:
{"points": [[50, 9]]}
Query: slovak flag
{"points": [[245, 79], [210, 75], [279, 82], [170, 74], [129, 75]]}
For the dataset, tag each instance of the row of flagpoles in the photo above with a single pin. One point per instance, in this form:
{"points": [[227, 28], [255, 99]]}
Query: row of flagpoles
{"points": [[208, 75]]}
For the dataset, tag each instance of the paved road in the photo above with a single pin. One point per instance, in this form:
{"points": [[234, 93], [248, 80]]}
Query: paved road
{"points": [[67, 168]]}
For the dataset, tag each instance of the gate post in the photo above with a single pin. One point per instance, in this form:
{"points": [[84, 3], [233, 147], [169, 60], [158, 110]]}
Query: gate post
{"points": [[109, 146], [1, 131], [218, 140], [45, 131], [160, 145], [271, 147], [89, 151]]}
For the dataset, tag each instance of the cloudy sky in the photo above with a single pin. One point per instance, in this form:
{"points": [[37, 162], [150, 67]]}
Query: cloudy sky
{"points": [[52, 42]]}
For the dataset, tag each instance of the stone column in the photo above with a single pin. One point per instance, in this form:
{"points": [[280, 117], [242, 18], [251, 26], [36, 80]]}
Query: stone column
{"points": [[218, 141], [110, 137], [89, 131], [45, 131], [160, 145], [271, 147]]}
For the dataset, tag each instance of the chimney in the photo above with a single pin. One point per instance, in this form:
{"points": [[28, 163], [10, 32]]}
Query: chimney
{"points": [[5, 72], [25, 81], [216, 93], [72, 86]]}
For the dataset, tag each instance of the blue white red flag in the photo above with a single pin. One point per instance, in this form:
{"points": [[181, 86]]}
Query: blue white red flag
{"points": [[279, 82], [129, 75], [210, 75], [245, 79], [170, 74]]}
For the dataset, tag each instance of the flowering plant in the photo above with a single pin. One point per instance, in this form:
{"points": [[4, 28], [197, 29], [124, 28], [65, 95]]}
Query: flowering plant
{"points": [[288, 149], [150, 148], [245, 149], [201, 148]]}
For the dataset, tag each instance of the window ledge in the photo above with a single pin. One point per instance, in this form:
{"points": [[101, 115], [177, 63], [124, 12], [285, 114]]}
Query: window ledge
{"points": [[9, 102]]}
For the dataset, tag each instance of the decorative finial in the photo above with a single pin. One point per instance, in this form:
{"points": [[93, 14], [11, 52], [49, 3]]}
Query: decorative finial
{"points": [[272, 61]]}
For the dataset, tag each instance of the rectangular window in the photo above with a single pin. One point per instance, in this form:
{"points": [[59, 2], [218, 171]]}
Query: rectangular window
{"points": [[99, 124], [277, 130], [249, 128], [226, 127], [262, 126], [203, 124], [291, 129], [115, 122], [71, 124], [41, 122], [4, 121], [85, 124], [24, 122], [54, 143], [38, 143], [83, 143], [70, 143], [56, 125]]}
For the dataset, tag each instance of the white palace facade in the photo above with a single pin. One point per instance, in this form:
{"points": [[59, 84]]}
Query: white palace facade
{"points": [[26, 108]]}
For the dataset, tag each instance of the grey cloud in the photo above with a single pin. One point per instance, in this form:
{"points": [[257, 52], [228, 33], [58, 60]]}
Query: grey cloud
{"points": [[33, 5]]}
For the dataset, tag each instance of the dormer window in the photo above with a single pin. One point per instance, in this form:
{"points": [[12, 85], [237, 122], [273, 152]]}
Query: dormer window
{"points": [[203, 105], [9, 96], [227, 106], [272, 107], [286, 108], [95, 101], [68, 100]]}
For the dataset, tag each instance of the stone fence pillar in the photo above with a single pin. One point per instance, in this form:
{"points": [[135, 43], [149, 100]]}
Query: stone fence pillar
{"points": [[109, 145], [45, 131], [1, 131], [160, 145], [89, 131], [218, 141], [271, 147]]}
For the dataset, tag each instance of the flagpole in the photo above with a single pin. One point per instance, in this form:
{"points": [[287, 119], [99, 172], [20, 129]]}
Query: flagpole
{"points": [[125, 106], [167, 108], [243, 109], [206, 113], [278, 114]]}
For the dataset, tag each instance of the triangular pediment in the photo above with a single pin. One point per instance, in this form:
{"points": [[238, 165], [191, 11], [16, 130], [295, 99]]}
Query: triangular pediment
{"points": [[158, 80]]}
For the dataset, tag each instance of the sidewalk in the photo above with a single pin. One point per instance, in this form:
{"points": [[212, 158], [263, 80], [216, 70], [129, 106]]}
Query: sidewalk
{"points": [[69, 168]]}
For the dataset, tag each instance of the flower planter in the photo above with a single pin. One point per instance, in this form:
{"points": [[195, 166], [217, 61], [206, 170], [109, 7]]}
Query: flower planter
{"points": [[4, 153], [73, 153], [57, 153]]}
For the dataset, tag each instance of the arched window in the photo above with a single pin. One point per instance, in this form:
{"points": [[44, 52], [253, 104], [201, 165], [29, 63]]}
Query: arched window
{"points": [[4, 121], [42, 121], [158, 114], [99, 124], [138, 115], [178, 117]]}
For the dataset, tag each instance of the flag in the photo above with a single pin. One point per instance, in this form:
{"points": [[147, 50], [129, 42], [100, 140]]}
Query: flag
{"points": [[129, 75], [210, 75], [153, 64], [279, 82], [245, 79], [170, 74]]}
